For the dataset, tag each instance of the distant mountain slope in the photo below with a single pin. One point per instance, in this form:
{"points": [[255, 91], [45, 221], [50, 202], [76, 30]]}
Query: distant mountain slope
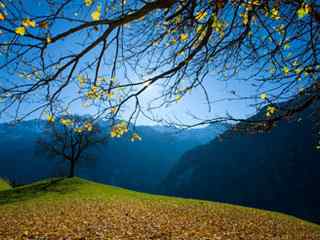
{"points": [[18, 160], [138, 165], [78, 209], [277, 170]]}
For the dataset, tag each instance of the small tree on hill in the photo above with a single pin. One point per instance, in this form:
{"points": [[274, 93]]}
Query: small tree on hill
{"points": [[70, 137]]}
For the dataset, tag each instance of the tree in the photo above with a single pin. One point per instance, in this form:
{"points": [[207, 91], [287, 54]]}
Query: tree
{"points": [[70, 138], [111, 52]]}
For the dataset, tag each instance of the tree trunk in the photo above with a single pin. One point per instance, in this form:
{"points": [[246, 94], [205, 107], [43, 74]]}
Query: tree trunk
{"points": [[71, 170]]}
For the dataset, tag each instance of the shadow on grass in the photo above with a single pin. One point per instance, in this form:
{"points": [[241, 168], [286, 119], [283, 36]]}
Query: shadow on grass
{"points": [[37, 190]]}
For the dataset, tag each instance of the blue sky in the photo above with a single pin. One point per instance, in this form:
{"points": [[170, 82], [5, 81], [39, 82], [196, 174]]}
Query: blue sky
{"points": [[192, 103]]}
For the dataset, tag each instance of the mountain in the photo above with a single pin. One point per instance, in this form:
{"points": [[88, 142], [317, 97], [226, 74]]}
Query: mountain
{"points": [[18, 159], [135, 165], [276, 170]]}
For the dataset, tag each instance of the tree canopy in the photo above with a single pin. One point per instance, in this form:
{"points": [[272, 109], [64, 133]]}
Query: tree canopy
{"points": [[108, 53]]}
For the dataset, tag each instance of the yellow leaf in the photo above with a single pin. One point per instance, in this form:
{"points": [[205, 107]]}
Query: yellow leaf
{"points": [[304, 10], [113, 110], [245, 18], [280, 29], [88, 126], [263, 96], [178, 98], [82, 80], [256, 2], [286, 46], [50, 118], [66, 122], [119, 129], [298, 70], [199, 29], [78, 130], [2, 16], [285, 70], [173, 42], [200, 16], [271, 110], [96, 14], [218, 25], [88, 3], [43, 25], [27, 22], [184, 37], [135, 137], [20, 31], [275, 14], [301, 12], [307, 8], [109, 95], [49, 40]]}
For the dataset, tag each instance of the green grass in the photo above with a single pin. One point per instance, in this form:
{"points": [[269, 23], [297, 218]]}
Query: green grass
{"points": [[75, 208], [58, 189], [4, 185]]}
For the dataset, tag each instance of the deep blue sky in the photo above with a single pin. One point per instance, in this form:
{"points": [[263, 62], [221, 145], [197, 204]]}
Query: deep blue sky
{"points": [[194, 102]]}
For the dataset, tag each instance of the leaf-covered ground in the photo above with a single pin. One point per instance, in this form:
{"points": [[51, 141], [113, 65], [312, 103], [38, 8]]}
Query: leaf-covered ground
{"points": [[79, 209]]}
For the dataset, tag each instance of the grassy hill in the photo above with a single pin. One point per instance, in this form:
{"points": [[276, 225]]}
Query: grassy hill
{"points": [[79, 209], [4, 185]]}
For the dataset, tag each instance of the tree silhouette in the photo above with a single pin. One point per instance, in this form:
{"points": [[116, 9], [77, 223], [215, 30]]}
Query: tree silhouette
{"points": [[111, 52], [70, 138]]}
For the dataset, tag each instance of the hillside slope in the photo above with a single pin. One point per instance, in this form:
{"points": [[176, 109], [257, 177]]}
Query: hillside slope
{"points": [[4, 185], [276, 170], [79, 209]]}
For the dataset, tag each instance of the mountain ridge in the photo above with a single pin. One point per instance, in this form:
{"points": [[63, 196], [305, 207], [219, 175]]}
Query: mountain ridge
{"points": [[137, 165], [275, 170]]}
